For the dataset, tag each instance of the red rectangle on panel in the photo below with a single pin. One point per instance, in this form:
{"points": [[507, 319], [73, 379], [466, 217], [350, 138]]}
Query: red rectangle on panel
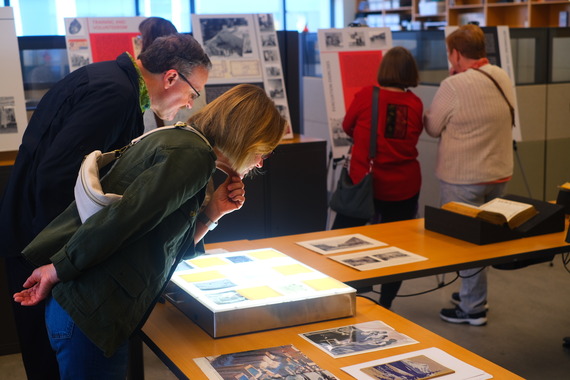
{"points": [[358, 69], [106, 47]]}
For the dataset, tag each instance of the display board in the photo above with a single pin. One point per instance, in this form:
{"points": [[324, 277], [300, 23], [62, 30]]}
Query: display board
{"points": [[96, 39], [350, 58], [13, 119], [243, 48], [499, 53]]}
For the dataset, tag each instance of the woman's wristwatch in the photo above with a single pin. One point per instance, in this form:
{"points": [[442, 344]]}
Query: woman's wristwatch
{"points": [[203, 218]]}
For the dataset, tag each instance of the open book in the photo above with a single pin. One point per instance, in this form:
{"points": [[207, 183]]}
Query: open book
{"points": [[498, 211]]}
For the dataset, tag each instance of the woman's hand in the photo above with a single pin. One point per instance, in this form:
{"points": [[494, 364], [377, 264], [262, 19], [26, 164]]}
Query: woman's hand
{"points": [[38, 286], [228, 197]]}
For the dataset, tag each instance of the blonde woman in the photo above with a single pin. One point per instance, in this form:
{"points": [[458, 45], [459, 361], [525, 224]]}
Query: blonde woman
{"points": [[101, 278]]}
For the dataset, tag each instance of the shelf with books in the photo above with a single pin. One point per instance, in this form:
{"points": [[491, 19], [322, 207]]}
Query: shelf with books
{"points": [[513, 13]]}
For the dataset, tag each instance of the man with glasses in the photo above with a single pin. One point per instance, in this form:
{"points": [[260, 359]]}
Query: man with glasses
{"points": [[97, 107]]}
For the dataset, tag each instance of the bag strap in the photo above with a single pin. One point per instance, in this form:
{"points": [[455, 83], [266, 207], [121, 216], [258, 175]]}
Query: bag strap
{"points": [[511, 108], [373, 131], [373, 125], [180, 125]]}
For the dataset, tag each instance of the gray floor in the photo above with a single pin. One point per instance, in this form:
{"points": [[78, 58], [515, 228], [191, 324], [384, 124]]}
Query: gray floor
{"points": [[528, 317], [529, 314]]}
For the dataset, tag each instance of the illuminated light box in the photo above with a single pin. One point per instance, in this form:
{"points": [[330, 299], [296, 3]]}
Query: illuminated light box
{"points": [[240, 292]]}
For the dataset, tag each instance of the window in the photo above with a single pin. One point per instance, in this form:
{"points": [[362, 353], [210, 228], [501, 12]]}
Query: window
{"points": [[45, 17]]}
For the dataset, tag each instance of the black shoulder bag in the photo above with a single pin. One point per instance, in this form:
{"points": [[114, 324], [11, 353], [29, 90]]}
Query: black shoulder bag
{"points": [[357, 200]]}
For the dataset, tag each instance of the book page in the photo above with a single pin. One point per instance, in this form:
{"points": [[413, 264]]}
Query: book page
{"points": [[503, 206]]}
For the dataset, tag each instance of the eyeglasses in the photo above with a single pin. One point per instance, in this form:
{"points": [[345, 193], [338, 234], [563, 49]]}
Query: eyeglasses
{"points": [[196, 94], [266, 155]]}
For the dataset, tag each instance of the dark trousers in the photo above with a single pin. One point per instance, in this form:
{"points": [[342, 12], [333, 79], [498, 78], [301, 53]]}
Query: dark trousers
{"points": [[385, 211], [38, 356]]}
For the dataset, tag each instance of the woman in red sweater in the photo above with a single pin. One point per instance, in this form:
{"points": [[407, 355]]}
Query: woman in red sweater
{"points": [[396, 169]]}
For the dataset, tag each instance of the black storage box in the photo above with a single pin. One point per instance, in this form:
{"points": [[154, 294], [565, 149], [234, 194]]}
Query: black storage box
{"points": [[550, 219]]}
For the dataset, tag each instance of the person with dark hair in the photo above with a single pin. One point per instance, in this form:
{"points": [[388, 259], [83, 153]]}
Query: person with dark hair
{"points": [[96, 107], [471, 116], [101, 278], [153, 27], [395, 169]]}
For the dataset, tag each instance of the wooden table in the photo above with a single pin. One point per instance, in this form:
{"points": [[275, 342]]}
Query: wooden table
{"points": [[445, 254], [177, 341]]}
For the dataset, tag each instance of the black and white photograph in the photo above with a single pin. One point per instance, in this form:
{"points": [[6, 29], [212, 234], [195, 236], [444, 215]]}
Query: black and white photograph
{"points": [[8, 115], [333, 40], [342, 243], [226, 37], [378, 258], [273, 71], [269, 40], [378, 40], [270, 56], [357, 38], [339, 137], [266, 22], [275, 89], [357, 339]]}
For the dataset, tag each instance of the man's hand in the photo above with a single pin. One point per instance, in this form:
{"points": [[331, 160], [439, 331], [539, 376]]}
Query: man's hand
{"points": [[38, 286]]}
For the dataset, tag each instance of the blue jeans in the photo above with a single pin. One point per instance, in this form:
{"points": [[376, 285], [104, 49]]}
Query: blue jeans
{"points": [[473, 291], [77, 356]]}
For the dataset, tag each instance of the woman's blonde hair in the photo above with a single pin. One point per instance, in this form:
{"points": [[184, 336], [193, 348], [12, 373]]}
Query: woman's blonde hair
{"points": [[241, 123]]}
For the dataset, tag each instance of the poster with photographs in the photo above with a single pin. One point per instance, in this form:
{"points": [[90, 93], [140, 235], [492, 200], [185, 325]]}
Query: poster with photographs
{"points": [[350, 58], [96, 39], [243, 48], [336, 244], [13, 118], [357, 339], [282, 362], [428, 363], [378, 258]]}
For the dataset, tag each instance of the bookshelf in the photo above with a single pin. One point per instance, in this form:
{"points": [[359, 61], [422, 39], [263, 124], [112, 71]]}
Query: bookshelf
{"points": [[415, 14]]}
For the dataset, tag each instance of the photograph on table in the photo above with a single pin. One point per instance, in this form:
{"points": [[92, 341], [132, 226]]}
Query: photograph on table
{"points": [[444, 363], [378, 258], [357, 339], [344, 243], [283, 362]]}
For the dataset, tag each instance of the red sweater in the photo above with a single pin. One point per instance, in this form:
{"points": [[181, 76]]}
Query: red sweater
{"points": [[396, 170]]}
